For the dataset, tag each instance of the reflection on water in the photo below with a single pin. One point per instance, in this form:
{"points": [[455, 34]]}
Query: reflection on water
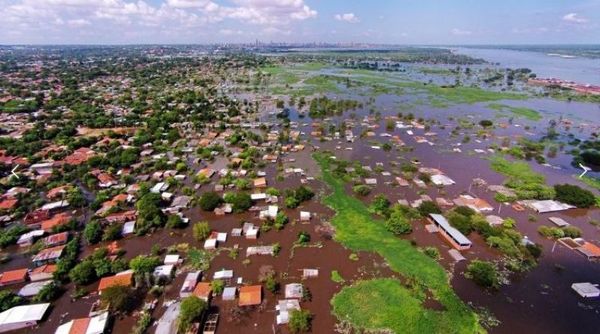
{"points": [[582, 70]]}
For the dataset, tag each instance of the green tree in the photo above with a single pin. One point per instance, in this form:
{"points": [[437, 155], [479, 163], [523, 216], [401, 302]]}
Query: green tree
{"points": [[120, 298], [48, 293], [83, 273], [191, 309], [300, 321], [92, 232], [210, 200], [240, 202]]}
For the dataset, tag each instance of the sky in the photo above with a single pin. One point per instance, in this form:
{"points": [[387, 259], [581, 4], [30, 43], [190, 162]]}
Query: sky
{"points": [[345, 21]]}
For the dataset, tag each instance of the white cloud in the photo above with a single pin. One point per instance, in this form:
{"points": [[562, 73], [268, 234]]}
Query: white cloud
{"points": [[461, 32], [347, 17], [574, 18], [230, 32], [78, 23], [109, 19]]}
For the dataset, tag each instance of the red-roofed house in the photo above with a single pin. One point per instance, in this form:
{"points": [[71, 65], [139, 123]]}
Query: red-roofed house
{"points": [[13, 277], [57, 220], [250, 295], [121, 279]]}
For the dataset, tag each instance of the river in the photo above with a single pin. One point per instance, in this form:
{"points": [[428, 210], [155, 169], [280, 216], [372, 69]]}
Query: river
{"points": [[579, 69]]}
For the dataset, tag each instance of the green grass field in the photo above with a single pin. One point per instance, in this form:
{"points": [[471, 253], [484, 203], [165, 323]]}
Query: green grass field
{"points": [[519, 111], [381, 304]]}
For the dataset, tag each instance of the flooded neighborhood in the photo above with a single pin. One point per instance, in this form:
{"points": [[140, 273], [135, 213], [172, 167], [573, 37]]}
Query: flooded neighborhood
{"points": [[299, 188]]}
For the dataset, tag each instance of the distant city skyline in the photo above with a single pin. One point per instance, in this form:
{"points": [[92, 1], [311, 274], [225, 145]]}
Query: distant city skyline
{"points": [[438, 22]]}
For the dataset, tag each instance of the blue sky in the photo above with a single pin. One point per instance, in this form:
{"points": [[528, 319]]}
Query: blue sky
{"points": [[372, 21]]}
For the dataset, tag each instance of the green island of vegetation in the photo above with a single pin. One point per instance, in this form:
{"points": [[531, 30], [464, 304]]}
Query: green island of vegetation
{"points": [[519, 111], [387, 303]]}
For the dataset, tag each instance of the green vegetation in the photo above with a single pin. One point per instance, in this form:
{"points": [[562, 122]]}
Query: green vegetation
{"points": [[9, 299], [574, 195], [336, 277], [191, 309], [201, 231], [119, 297], [484, 273], [526, 183], [300, 321], [380, 304], [387, 304], [210, 200], [519, 111]]}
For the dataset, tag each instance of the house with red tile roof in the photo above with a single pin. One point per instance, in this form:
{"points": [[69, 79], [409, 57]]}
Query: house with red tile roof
{"points": [[14, 277], [121, 279], [35, 218], [250, 295], [57, 220], [203, 291], [57, 192], [42, 273], [79, 156], [121, 217], [8, 204]]}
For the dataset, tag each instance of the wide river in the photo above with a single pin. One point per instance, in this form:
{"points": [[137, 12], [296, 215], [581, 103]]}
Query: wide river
{"points": [[579, 69]]}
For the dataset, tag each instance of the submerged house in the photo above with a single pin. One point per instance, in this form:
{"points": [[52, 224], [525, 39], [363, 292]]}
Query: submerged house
{"points": [[452, 235], [23, 316]]}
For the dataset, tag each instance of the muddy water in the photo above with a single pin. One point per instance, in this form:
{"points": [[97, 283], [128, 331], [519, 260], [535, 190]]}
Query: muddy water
{"points": [[537, 301]]}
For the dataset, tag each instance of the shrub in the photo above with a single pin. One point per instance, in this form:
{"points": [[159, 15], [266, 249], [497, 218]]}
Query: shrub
{"points": [[271, 283], [398, 224], [432, 252], [300, 321], [486, 123], [572, 231], [174, 221], [218, 286], [484, 273], [303, 238], [429, 207], [210, 201], [361, 189], [201, 231], [380, 205], [574, 195], [551, 232], [8, 300]]}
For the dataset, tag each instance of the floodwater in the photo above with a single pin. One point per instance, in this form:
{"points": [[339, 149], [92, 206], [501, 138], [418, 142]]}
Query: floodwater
{"points": [[581, 70], [539, 301]]}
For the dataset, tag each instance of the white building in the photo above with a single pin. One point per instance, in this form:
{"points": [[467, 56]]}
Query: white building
{"points": [[22, 316]]}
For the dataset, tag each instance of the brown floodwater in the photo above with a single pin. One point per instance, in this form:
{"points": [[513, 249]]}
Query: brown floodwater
{"points": [[539, 301]]}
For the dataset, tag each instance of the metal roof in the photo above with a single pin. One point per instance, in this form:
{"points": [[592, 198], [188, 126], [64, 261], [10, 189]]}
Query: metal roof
{"points": [[454, 233]]}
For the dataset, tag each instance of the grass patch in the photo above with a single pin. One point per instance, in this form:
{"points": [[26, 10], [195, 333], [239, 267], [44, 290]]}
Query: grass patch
{"points": [[336, 277], [386, 304], [519, 111], [590, 181], [357, 230], [526, 183], [315, 66]]}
